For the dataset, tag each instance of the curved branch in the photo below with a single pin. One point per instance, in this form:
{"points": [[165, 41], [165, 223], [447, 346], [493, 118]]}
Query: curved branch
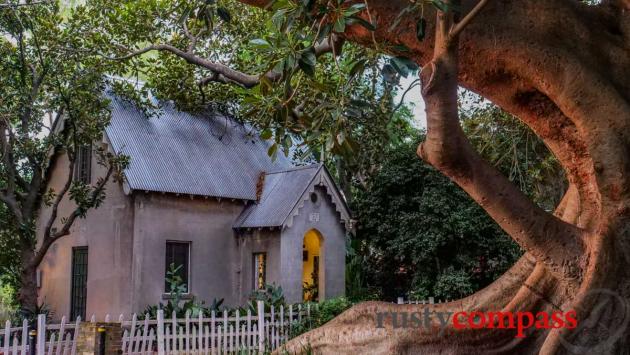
{"points": [[558, 244], [59, 197]]}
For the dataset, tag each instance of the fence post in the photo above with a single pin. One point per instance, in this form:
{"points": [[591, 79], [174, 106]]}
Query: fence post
{"points": [[261, 326], [160, 331], [400, 300], [41, 334], [101, 340], [32, 338], [431, 300]]}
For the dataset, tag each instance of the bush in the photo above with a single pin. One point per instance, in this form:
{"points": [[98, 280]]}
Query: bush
{"points": [[321, 314], [176, 303]]}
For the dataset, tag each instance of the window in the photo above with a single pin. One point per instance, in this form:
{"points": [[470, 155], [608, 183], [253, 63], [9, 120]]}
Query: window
{"points": [[78, 297], [178, 254], [83, 164], [260, 270]]}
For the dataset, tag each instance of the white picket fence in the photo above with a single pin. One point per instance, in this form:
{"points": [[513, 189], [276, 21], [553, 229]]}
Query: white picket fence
{"points": [[214, 333], [53, 339], [431, 300]]}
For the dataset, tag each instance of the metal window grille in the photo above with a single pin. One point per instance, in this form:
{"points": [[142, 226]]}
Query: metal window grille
{"points": [[79, 282], [83, 164]]}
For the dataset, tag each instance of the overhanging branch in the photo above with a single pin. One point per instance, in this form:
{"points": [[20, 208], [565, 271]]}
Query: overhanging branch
{"points": [[224, 74]]}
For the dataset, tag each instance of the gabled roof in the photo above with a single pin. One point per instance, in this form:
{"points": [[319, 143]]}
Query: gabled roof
{"points": [[177, 152], [284, 193]]}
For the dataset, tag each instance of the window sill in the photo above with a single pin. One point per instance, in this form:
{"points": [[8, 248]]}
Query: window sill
{"points": [[185, 296]]}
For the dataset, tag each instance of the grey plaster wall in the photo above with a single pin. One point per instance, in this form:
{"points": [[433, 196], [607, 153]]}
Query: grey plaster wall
{"points": [[258, 241], [108, 234], [206, 224], [333, 249]]}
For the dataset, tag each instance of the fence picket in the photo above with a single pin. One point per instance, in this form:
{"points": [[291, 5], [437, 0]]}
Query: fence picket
{"points": [[282, 330], [226, 329], [187, 334], [125, 340], [255, 331], [24, 335], [74, 335], [15, 344], [160, 331], [41, 334], [149, 343], [51, 344], [219, 339], [7, 337], [66, 348], [261, 326], [145, 331], [132, 333], [62, 329], [200, 331], [213, 331], [180, 338]]}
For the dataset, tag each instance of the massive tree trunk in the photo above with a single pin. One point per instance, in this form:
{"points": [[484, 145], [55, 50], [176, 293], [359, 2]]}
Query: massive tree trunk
{"points": [[562, 67]]}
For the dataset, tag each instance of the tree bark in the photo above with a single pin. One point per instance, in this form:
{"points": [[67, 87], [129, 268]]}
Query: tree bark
{"points": [[561, 67], [27, 294]]}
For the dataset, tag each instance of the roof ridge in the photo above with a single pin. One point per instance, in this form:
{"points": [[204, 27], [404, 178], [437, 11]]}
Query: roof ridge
{"points": [[304, 167]]}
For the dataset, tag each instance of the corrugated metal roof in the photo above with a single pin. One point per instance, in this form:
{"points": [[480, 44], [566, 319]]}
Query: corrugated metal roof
{"points": [[177, 152], [281, 191]]}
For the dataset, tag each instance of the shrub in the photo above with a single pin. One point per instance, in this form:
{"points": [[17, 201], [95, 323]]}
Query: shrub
{"points": [[321, 314]]}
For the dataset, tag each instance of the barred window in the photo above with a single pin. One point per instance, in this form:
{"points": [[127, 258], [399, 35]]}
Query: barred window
{"points": [[78, 297], [83, 164]]}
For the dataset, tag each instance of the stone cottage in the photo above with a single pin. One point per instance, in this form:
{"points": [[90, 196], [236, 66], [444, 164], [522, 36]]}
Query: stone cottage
{"points": [[202, 193]]}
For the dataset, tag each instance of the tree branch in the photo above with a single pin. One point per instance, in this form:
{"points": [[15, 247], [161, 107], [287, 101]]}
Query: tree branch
{"points": [[552, 241], [8, 195], [459, 27], [223, 73], [60, 196], [10, 201], [413, 84], [65, 229]]}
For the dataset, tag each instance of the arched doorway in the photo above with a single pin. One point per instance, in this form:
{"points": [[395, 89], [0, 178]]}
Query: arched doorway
{"points": [[312, 266]]}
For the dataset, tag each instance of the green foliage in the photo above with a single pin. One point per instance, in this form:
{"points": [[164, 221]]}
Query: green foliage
{"points": [[271, 295], [319, 103], [321, 313], [514, 149], [421, 235], [357, 288], [178, 303], [8, 304]]}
